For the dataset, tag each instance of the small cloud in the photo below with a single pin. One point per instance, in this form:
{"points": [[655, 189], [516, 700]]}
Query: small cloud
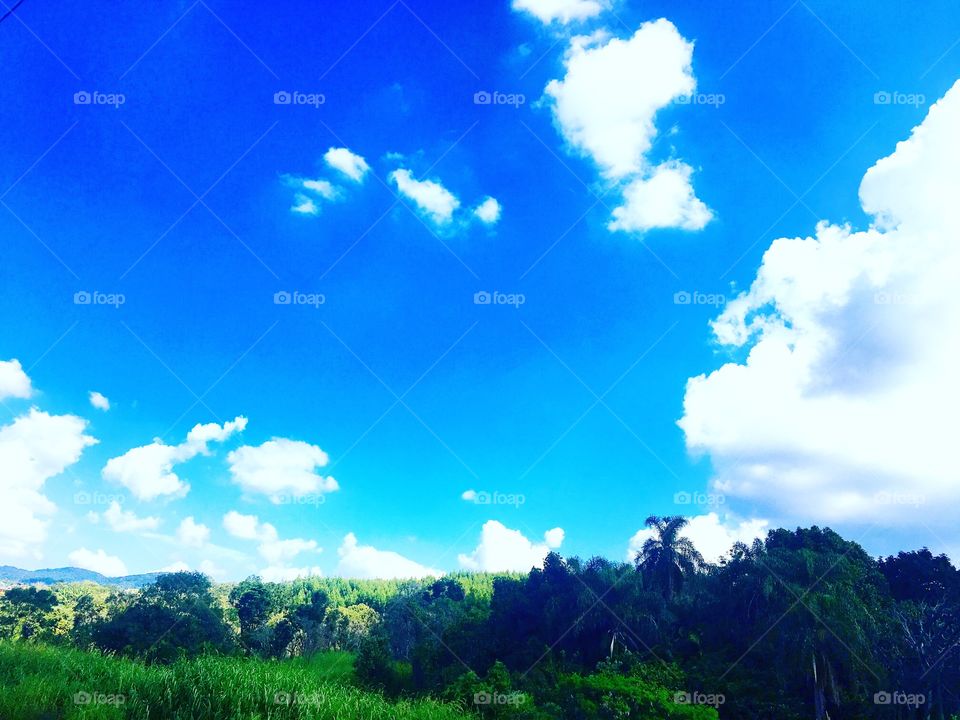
{"points": [[469, 495], [347, 162], [98, 561], [502, 549], [99, 401], [281, 467], [302, 205], [488, 212], [562, 11], [367, 562], [430, 196], [14, 382], [193, 534], [554, 537]]}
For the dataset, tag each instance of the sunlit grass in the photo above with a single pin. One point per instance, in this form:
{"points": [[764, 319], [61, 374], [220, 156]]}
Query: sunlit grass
{"points": [[39, 682]]}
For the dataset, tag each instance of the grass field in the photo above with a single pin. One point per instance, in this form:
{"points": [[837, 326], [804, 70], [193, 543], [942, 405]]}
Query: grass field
{"points": [[44, 683]]}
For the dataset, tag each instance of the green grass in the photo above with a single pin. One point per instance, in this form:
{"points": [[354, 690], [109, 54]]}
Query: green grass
{"points": [[40, 683]]}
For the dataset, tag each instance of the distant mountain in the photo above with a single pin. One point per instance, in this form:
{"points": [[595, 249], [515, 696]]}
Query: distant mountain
{"points": [[49, 576]]}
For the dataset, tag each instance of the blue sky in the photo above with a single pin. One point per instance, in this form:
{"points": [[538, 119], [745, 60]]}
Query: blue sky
{"points": [[174, 189]]}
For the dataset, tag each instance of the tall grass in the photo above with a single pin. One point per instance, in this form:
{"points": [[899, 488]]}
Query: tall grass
{"points": [[47, 683]]}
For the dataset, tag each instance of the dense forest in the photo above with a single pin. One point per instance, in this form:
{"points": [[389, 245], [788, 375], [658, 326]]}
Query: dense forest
{"points": [[802, 624]]}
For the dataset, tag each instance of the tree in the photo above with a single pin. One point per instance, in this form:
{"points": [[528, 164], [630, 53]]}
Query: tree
{"points": [[175, 616], [26, 612], [666, 557], [253, 602]]}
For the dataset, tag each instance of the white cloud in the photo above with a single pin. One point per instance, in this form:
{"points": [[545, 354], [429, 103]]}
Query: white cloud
{"points": [[469, 495], [605, 107], [281, 466], [845, 404], [662, 199], [14, 382], [564, 11], [286, 574], [323, 188], [302, 205], [35, 447], [121, 520], [365, 561], [178, 566], [432, 198], [99, 401], [208, 567], [248, 527], [98, 561], [488, 211], [275, 551], [503, 549], [193, 534], [554, 538], [147, 471], [348, 163], [710, 534]]}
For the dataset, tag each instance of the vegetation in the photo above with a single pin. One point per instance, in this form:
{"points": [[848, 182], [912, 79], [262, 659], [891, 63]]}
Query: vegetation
{"points": [[803, 624]]}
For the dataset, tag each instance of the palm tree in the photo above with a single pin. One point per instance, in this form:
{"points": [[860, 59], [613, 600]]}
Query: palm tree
{"points": [[665, 556]]}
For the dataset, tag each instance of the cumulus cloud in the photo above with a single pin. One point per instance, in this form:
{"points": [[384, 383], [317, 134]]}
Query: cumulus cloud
{"points": [[431, 197], [488, 211], [663, 198], [845, 402], [366, 562], [34, 447], [275, 551], [279, 467], [98, 561], [712, 535], [192, 534], [147, 471], [605, 107], [303, 205], [502, 549], [99, 401], [347, 162], [121, 520], [286, 574], [562, 11], [14, 382]]}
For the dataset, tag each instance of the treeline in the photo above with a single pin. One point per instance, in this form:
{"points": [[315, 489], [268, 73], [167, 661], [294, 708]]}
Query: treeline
{"points": [[802, 624]]}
